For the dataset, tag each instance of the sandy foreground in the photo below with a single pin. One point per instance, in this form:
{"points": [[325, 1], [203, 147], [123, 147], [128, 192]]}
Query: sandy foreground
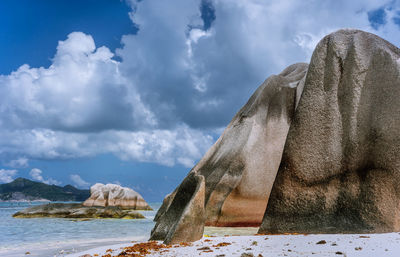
{"points": [[375, 245]]}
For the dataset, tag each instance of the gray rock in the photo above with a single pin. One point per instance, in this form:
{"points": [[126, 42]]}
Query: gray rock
{"points": [[76, 210], [115, 195], [239, 169], [184, 219], [340, 169]]}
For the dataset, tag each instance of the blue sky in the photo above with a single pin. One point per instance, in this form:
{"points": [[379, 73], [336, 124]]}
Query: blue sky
{"points": [[33, 28], [135, 92]]}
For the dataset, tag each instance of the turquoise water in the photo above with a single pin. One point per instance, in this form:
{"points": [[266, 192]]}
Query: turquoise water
{"points": [[56, 237]]}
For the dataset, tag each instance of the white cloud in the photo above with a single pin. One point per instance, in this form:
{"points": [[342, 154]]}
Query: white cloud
{"points": [[20, 162], [7, 176], [82, 106], [81, 91], [78, 181], [168, 147], [36, 174], [165, 147]]}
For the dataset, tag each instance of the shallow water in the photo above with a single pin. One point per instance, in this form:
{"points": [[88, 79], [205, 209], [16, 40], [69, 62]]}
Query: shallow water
{"points": [[56, 237]]}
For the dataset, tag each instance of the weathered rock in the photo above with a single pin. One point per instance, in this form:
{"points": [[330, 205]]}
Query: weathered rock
{"points": [[184, 219], [340, 169], [115, 195], [165, 205], [76, 210], [239, 169]]}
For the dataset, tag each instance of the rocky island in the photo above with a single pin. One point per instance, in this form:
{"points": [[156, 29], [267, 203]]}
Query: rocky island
{"points": [[106, 201], [77, 211]]}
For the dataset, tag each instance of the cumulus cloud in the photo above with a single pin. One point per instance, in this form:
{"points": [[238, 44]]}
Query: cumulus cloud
{"points": [[82, 106], [36, 174], [181, 145], [190, 67], [81, 91], [78, 181], [6, 176], [20, 162]]}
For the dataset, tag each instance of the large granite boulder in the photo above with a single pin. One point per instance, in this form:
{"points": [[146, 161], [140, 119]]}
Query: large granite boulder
{"points": [[340, 169], [115, 195], [231, 184]]}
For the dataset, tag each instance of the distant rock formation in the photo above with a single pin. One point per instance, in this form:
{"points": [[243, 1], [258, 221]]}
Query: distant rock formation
{"points": [[340, 170], [76, 211], [22, 189], [115, 195], [230, 185]]}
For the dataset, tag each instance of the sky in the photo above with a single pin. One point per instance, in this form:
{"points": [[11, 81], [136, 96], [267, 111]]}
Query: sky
{"points": [[135, 92]]}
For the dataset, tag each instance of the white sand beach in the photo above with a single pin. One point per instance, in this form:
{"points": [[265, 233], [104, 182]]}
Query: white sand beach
{"points": [[60, 248], [349, 245]]}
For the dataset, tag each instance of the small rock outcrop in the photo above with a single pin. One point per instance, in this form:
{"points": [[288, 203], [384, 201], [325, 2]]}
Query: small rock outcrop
{"points": [[115, 195], [76, 211], [230, 185], [340, 170]]}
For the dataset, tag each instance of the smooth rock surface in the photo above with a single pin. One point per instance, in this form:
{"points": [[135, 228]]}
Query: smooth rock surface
{"points": [[115, 195], [76, 210], [239, 169], [340, 169]]}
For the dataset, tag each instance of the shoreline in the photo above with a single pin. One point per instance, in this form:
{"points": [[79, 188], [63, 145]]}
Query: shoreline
{"points": [[43, 237], [64, 248], [357, 245]]}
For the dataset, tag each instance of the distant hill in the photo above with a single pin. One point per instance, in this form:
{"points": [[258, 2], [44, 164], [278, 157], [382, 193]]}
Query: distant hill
{"points": [[25, 189]]}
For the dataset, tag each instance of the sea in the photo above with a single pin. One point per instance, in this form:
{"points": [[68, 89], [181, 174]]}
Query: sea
{"points": [[59, 237]]}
